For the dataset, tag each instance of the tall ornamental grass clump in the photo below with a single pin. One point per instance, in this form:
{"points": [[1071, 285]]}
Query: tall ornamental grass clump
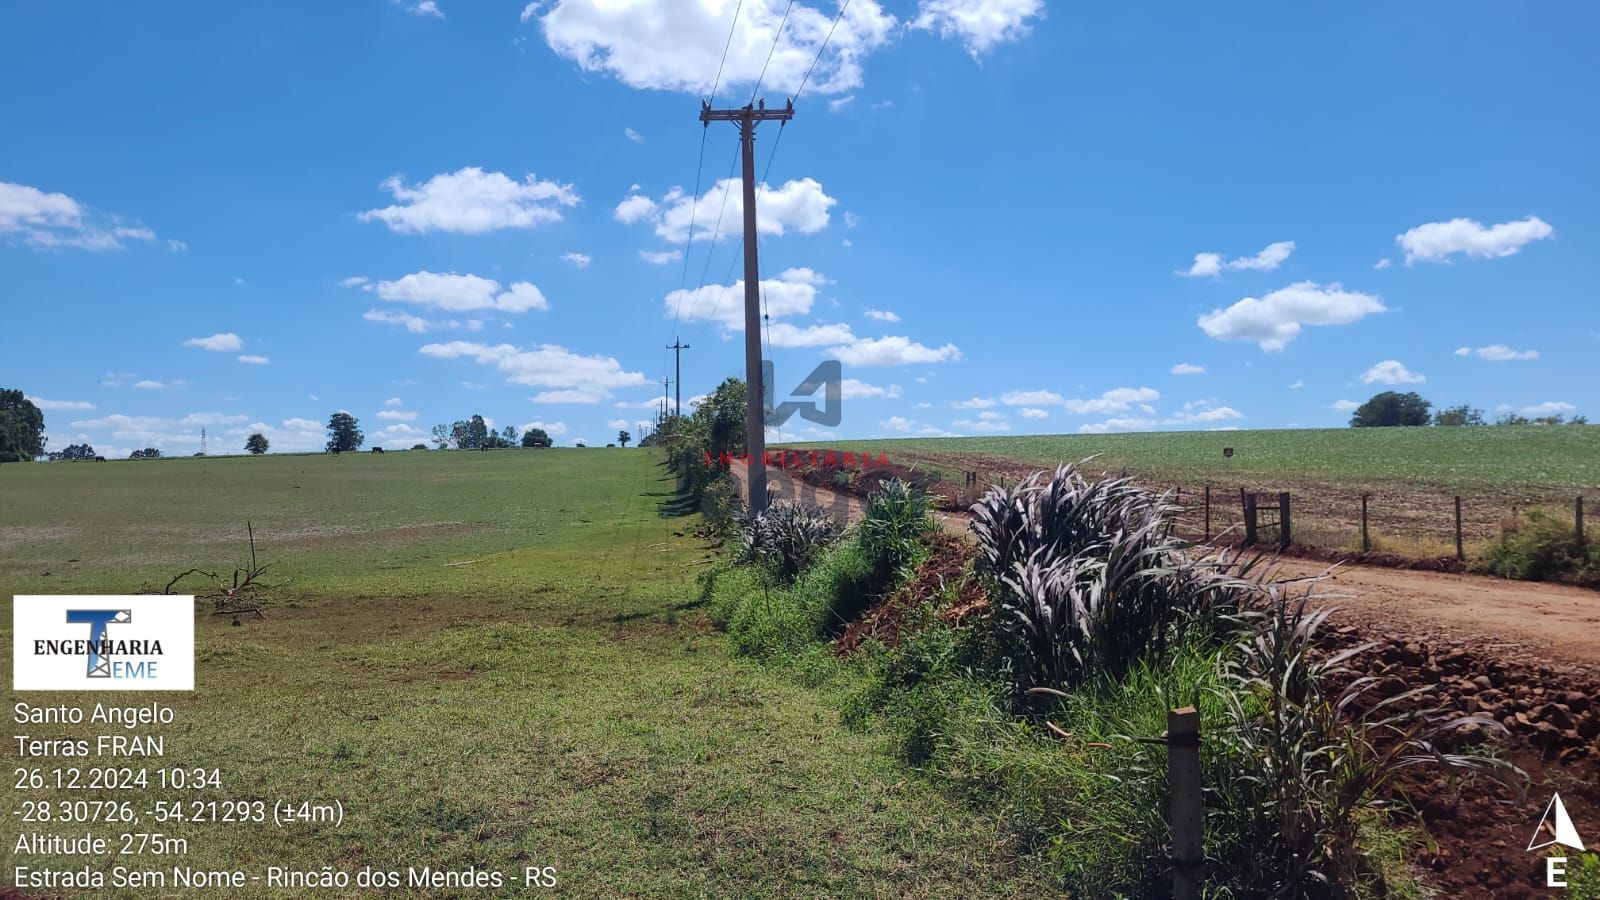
{"points": [[1314, 764], [1090, 579], [785, 537]]}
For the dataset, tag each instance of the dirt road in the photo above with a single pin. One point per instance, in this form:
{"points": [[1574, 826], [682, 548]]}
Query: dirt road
{"points": [[1556, 623]]}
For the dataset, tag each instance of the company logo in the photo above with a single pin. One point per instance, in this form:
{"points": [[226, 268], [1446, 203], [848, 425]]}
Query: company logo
{"points": [[137, 643], [1555, 827], [827, 377], [99, 650]]}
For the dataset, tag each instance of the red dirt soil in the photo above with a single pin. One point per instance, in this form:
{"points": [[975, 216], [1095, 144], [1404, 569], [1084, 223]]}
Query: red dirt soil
{"points": [[946, 570]]}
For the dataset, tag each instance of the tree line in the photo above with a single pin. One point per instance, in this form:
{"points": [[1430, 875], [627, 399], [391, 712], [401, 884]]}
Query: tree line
{"points": [[1393, 409]]}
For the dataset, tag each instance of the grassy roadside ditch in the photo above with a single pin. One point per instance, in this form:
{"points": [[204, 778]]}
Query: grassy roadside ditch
{"points": [[1088, 625]]}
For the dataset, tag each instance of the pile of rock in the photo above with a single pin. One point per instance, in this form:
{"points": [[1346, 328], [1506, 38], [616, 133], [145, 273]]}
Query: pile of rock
{"points": [[1550, 708]]}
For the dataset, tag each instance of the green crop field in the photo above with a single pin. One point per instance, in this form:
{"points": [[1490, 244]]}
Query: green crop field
{"points": [[1411, 475], [493, 660], [1567, 456]]}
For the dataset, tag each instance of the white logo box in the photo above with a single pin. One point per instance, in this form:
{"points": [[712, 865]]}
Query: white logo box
{"points": [[96, 642]]}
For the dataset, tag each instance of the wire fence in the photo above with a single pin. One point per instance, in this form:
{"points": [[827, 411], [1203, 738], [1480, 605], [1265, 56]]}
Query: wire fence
{"points": [[1423, 526]]}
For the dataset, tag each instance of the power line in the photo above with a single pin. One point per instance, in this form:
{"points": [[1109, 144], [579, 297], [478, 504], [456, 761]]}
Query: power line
{"points": [[711, 250], [726, 44], [803, 81], [683, 277], [694, 199], [824, 46], [722, 291], [776, 38]]}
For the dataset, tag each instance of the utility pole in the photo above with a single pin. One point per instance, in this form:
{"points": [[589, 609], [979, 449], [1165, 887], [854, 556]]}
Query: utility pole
{"points": [[746, 118], [677, 347], [664, 383]]}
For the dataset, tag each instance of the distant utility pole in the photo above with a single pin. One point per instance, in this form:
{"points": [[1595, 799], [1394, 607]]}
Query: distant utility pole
{"points": [[747, 117], [677, 347], [664, 383]]}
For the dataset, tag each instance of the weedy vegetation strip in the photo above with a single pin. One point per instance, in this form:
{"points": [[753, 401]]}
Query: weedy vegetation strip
{"points": [[1042, 704]]}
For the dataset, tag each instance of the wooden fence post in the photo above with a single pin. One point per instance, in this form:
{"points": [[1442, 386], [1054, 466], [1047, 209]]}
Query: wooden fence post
{"points": [[1460, 554], [1284, 538], [1249, 518], [1208, 511], [1578, 510], [1366, 542], [1188, 816]]}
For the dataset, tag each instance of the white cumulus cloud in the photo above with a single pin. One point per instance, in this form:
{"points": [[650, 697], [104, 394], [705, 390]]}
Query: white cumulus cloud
{"points": [[1438, 241], [1188, 369], [791, 293], [471, 201], [421, 7], [979, 24], [676, 45], [1032, 398], [1208, 265], [1114, 425], [1391, 371], [783, 334], [544, 366], [660, 257], [1119, 399], [224, 342], [551, 428], [855, 389], [453, 292], [1276, 319], [1498, 353], [892, 350], [48, 405], [419, 325], [1203, 412], [897, 423], [799, 205], [1549, 408], [47, 220], [571, 395], [985, 421]]}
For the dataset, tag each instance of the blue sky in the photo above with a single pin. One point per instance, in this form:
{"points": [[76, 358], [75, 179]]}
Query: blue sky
{"points": [[1003, 216]]}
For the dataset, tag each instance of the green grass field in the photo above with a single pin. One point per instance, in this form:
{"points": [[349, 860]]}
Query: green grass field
{"points": [[492, 659]]}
